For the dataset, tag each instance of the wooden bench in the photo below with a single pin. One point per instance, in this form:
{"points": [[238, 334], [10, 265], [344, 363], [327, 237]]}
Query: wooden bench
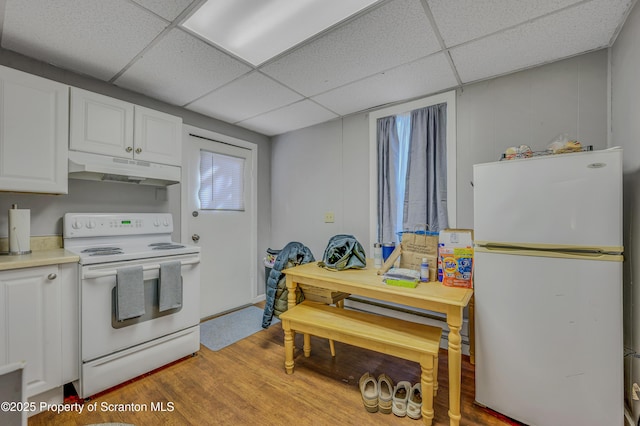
{"points": [[391, 336]]}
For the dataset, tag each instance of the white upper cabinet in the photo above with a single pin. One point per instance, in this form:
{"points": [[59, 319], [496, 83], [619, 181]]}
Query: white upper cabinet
{"points": [[104, 125], [100, 124], [157, 136], [34, 133]]}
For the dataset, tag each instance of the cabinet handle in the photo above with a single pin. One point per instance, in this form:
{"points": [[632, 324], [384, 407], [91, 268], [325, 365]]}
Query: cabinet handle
{"points": [[129, 149], [138, 150], [52, 277]]}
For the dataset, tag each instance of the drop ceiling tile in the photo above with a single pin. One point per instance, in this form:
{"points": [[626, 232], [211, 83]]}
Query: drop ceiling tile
{"points": [[588, 26], [179, 68], [244, 98], [169, 10], [97, 38], [464, 20], [301, 114], [394, 33], [422, 77]]}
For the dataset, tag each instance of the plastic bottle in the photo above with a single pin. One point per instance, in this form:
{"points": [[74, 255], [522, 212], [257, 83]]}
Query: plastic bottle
{"points": [[424, 270], [377, 255]]}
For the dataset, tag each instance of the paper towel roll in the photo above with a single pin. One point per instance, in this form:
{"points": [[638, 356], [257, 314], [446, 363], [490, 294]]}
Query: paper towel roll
{"points": [[19, 231]]}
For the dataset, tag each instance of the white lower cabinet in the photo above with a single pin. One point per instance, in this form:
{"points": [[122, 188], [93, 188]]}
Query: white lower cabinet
{"points": [[32, 313]]}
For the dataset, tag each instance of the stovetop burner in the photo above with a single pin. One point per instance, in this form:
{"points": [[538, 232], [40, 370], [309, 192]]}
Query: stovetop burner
{"points": [[165, 246], [102, 251]]}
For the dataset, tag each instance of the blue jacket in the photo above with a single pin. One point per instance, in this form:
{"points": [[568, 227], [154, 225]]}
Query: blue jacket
{"points": [[293, 254]]}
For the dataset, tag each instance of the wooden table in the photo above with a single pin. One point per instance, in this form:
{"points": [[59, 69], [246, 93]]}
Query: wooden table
{"points": [[432, 296]]}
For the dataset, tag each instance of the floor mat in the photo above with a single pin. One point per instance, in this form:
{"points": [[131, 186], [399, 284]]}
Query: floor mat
{"points": [[224, 330]]}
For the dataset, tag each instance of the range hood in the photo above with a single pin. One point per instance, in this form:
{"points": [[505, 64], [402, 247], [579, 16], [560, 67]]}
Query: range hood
{"points": [[83, 165]]}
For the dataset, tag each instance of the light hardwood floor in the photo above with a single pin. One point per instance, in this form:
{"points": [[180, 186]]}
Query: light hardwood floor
{"points": [[246, 384]]}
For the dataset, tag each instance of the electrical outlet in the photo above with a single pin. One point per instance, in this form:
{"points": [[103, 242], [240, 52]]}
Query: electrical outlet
{"points": [[329, 217]]}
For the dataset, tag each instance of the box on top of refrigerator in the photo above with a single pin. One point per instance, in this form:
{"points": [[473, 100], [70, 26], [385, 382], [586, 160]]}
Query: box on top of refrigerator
{"points": [[455, 257]]}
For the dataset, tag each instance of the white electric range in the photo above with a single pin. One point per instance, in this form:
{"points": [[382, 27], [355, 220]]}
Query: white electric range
{"points": [[113, 351]]}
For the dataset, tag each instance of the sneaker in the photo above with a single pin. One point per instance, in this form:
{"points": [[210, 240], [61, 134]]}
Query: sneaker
{"points": [[414, 403], [400, 398]]}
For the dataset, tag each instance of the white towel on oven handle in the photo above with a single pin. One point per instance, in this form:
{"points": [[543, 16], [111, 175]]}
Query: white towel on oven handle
{"points": [[129, 293], [170, 286]]}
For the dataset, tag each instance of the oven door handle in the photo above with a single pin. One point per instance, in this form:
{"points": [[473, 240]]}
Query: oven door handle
{"points": [[109, 272]]}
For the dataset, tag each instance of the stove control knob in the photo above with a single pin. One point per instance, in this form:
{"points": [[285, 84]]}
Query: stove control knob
{"points": [[156, 222], [76, 224], [166, 222], [91, 224]]}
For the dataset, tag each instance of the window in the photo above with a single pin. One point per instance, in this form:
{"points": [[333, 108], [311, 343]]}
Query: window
{"points": [[221, 182], [407, 206]]}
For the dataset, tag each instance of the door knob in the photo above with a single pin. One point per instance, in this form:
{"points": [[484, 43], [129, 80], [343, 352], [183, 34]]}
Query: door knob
{"points": [[195, 238]]}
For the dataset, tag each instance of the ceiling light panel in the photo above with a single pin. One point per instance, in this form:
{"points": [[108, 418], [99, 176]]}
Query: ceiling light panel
{"points": [[258, 31]]}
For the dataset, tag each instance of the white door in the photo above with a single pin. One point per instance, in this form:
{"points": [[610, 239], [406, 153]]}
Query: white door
{"points": [[226, 233]]}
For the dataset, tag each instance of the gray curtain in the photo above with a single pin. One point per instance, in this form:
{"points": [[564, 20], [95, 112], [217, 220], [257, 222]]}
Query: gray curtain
{"points": [[425, 198], [388, 152]]}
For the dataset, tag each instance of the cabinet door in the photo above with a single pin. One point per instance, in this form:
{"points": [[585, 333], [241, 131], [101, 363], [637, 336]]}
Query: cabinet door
{"points": [[100, 124], [158, 137], [34, 132], [30, 326]]}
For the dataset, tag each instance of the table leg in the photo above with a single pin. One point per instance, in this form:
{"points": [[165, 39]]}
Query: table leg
{"points": [[472, 331], [291, 302], [454, 321]]}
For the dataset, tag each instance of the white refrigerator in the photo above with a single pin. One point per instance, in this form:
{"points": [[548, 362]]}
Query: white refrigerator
{"points": [[548, 288]]}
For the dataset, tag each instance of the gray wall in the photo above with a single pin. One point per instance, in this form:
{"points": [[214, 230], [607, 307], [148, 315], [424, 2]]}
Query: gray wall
{"points": [[84, 196], [326, 167], [625, 132]]}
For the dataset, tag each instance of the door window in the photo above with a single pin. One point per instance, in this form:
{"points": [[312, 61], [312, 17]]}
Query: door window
{"points": [[221, 182]]}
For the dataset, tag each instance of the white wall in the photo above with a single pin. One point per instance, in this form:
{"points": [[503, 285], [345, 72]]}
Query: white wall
{"points": [[625, 132], [326, 167]]}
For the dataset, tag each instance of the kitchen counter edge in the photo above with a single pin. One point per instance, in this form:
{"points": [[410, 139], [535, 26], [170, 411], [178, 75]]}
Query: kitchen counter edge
{"points": [[37, 258]]}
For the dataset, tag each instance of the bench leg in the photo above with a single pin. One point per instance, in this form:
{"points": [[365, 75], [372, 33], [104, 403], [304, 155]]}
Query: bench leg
{"points": [[307, 345], [426, 379], [288, 347]]}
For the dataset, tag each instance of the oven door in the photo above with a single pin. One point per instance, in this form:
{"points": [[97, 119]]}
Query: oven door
{"points": [[102, 334]]}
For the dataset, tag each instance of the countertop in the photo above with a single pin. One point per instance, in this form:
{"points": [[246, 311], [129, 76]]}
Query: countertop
{"points": [[37, 258], [46, 250]]}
